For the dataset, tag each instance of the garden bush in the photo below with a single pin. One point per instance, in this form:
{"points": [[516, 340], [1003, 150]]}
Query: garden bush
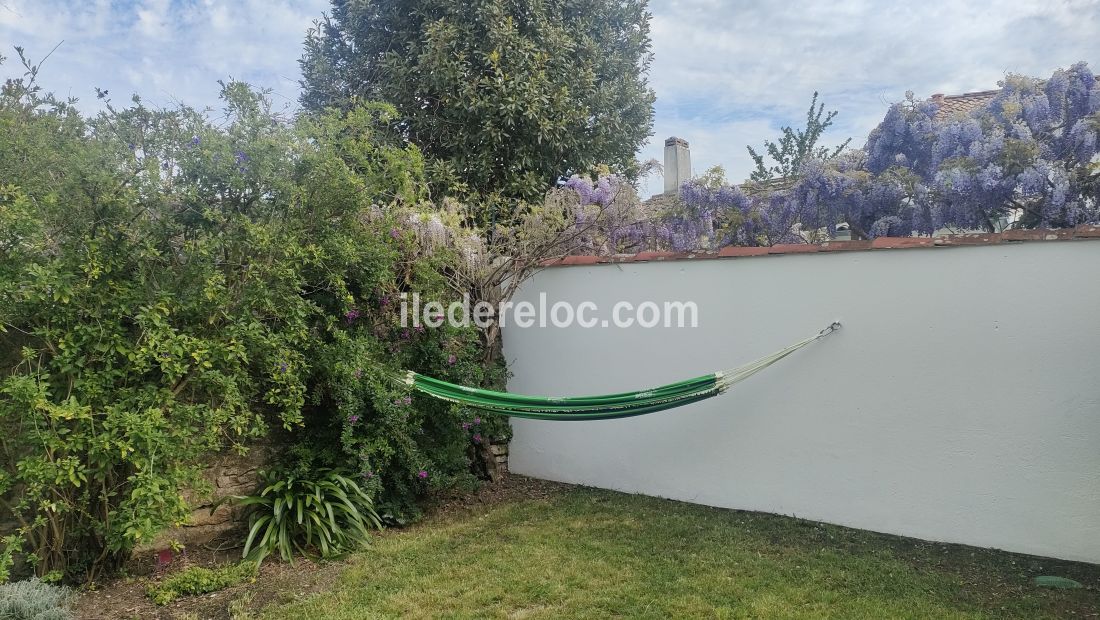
{"points": [[34, 599], [172, 286]]}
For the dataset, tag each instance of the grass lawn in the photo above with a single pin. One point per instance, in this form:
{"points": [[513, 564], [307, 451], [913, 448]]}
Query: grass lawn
{"points": [[585, 553]]}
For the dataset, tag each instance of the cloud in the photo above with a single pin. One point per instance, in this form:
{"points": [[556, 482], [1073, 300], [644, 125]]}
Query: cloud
{"points": [[165, 50], [729, 74], [726, 73]]}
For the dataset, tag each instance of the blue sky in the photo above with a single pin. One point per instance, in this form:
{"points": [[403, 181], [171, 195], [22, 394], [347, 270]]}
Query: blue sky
{"points": [[726, 74]]}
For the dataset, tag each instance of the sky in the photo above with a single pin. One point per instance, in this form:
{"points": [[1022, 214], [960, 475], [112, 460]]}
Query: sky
{"points": [[727, 73]]}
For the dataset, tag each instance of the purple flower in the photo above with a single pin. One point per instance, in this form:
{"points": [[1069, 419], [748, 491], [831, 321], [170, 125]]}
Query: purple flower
{"points": [[420, 329], [465, 426], [477, 420], [352, 315], [394, 233], [282, 367], [407, 400], [423, 475], [451, 359], [405, 335], [353, 418], [385, 302], [584, 189], [241, 156], [477, 437], [195, 140]]}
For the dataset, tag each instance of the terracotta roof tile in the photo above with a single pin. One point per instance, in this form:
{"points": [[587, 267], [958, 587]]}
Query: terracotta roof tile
{"points": [[1082, 232], [950, 105]]}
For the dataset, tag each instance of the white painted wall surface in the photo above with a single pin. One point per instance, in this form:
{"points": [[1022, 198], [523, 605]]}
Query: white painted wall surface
{"points": [[959, 403]]}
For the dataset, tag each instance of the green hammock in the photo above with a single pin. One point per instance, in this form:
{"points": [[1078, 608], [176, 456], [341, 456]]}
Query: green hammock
{"points": [[607, 406]]}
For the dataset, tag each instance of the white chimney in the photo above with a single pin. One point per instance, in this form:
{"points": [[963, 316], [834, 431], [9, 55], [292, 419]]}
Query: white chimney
{"points": [[677, 164]]}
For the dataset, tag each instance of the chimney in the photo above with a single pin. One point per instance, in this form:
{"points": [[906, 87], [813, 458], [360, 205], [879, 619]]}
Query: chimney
{"points": [[677, 164]]}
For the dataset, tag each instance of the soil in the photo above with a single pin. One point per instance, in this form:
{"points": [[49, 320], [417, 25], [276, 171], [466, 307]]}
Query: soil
{"points": [[278, 582]]}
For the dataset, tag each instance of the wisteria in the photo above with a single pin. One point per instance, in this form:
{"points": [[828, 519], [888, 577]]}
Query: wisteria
{"points": [[1027, 159], [608, 216]]}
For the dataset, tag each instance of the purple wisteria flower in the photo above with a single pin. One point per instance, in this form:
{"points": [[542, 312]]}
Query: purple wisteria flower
{"points": [[584, 189]]}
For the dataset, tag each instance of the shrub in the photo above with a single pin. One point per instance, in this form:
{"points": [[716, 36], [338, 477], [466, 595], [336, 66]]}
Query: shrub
{"points": [[171, 287], [197, 580], [328, 512], [34, 599]]}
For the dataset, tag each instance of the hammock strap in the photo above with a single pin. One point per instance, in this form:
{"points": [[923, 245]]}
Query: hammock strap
{"points": [[729, 378]]}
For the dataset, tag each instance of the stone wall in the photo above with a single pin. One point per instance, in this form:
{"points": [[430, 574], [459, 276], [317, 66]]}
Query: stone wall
{"points": [[231, 474], [228, 474]]}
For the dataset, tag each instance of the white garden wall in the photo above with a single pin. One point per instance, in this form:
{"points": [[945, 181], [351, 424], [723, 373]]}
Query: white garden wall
{"points": [[960, 402]]}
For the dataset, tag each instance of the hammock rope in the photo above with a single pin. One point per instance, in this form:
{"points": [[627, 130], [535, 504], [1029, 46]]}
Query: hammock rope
{"points": [[606, 406]]}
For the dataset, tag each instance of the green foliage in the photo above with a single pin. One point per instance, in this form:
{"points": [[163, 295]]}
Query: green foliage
{"points": [[34, 599], [796, 146], [149, 323], [171, 287], [503, 98], [197, 580], [10, 545], [327, 512]]}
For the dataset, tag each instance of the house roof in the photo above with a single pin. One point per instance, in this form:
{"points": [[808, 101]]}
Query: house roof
{"points": [[951, 105]]}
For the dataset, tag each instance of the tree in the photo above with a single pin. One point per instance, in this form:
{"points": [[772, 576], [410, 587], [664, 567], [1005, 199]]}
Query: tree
{"points": [[503, 97], [796, 146]]}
